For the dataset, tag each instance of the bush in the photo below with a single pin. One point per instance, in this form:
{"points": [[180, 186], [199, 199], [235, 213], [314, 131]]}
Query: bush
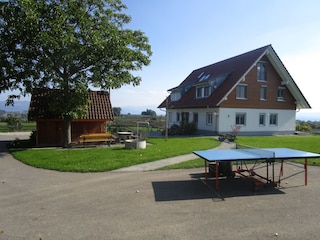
{"points": [[13, 123], [183, 129], [303, 127], [18, 143]]}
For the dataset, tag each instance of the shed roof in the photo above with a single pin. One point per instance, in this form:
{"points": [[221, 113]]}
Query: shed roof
{"points": [[99, 106]]}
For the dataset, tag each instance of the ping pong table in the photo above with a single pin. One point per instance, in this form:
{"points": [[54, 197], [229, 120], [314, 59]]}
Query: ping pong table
{"points": [[267, 155]]}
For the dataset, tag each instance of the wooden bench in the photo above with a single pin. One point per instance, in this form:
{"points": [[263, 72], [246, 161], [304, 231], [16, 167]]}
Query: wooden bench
{"points": [[108, 138]]}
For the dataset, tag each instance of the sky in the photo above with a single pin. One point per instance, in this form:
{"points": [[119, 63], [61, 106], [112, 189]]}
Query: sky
{"points": [[188, 34]]}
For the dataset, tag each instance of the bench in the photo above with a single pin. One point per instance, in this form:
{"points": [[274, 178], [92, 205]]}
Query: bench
{"points": [[229, 137], [97, 137]]}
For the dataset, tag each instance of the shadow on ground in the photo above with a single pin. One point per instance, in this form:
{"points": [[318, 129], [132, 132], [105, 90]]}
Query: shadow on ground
{"points": [[199, 188]]}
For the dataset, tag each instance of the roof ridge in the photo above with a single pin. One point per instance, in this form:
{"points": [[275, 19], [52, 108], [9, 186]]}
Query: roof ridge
{"points": [[239, 55]]}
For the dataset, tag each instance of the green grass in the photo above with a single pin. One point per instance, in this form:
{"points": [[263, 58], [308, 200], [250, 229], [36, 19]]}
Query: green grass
{"points": [[106, 159], [25, 127], [309, 143], [305, 143]]}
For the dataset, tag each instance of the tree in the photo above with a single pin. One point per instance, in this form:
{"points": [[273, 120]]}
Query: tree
{"points": [[68, 45], [149, 112], [13, 122], [116, 111]]}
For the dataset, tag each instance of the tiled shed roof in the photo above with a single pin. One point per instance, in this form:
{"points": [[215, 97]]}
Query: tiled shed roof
{"points": [[99, 107]]}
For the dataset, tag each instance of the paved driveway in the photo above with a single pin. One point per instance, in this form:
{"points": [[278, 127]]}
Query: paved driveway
{"points": [[177, 204]]}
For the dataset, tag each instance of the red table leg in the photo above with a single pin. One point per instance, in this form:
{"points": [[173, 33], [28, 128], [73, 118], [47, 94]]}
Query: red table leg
{"points": [[205, 169], [305, 171]]}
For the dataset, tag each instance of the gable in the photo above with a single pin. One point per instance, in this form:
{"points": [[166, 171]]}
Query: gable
{"points": [[261, 94], [99, 106]]}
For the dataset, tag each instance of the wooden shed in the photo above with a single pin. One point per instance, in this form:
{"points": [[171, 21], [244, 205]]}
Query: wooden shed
{"points": [[49, 128]]}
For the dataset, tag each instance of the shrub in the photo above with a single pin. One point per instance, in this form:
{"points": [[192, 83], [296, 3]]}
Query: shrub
{"points": [[183, 129]]}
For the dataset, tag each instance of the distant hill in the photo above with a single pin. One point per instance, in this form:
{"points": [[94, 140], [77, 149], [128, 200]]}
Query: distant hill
{"points": [[18, 106]]}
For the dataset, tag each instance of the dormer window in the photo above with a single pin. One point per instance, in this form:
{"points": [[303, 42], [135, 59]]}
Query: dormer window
{"points": [[261, 72], [175, 96], [203, 91]]}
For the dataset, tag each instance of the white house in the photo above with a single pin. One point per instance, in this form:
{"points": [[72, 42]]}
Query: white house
{"points": [[253, 90]]}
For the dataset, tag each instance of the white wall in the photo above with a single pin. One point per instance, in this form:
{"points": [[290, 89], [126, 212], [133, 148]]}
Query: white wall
{"points": [[286, 121], [202, 118], [225, 118]]}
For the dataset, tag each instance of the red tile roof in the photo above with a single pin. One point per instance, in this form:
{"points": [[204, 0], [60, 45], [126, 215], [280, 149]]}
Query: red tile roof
{"points": [[99, 106], [232, 70]]}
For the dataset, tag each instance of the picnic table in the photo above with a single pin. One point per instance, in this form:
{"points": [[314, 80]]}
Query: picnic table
{"points": [[124, 136]]}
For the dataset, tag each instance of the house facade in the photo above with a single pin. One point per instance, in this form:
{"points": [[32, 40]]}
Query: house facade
{"points": [[50, 128], [253, 91]]}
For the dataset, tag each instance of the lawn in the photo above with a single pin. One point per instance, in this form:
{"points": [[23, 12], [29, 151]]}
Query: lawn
{"points": [[106, 159], [25, 127], [305, 143]]}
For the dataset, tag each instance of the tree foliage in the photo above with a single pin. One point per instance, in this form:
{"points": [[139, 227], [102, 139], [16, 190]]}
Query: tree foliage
{"points": [[68, 45], [116, 111], [149, 112], [14, 122], [303, 126]]}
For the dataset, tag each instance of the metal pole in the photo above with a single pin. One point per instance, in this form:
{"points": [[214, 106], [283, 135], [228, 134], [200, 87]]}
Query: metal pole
{"points": [[305, 171]]}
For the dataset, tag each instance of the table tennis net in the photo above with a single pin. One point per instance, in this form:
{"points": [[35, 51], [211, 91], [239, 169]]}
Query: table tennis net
{"points": [[261, 153]]}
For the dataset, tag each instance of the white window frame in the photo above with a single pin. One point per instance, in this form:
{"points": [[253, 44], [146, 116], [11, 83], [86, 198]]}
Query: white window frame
{"points": [[203, 91], [273, 119], [241, 119], [281, 94], [263, 92], [206, 91], [199, 91], [195, 117], [209, 118], [241, 91], [262, 116], [261, 72]]}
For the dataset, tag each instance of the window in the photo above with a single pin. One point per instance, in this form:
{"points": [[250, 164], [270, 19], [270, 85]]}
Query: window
{"points": [[240, 119], [195, 117], [209, 118], [185, 117], [241, 91], [273, 119], [281, 91], [261, 72], [263, 93], [199, 92], [175, 96], [262, 119], [202, 92], [206, 91], [178, 117]]}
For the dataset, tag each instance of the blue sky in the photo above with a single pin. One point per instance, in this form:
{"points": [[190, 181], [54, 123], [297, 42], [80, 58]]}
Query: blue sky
{"points": [[189, 34], [186, 35]]}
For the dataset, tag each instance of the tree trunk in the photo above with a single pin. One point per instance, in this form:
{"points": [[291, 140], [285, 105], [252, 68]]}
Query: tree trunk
{"points": [[67, 132]]}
